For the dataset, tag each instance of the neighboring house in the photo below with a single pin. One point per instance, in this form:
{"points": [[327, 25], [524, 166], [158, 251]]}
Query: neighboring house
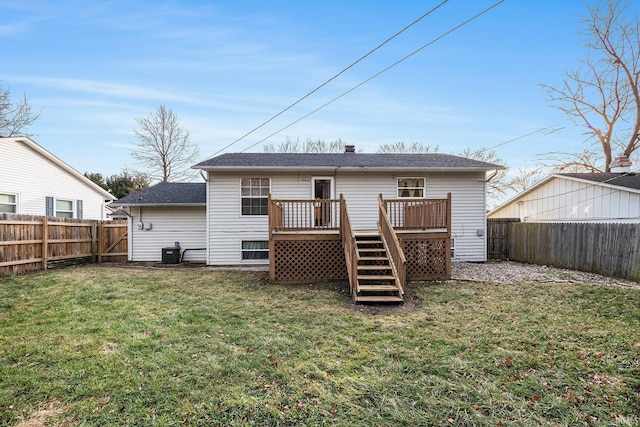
{"points": [[35, 182], [577, 197], [238, 186], [161, 215]]}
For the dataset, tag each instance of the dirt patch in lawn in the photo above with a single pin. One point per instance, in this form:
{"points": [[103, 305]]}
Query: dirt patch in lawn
{"points": [[45, 416]]}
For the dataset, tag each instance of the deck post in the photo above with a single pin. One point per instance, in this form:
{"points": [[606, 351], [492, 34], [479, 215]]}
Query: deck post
{"points": [[340, 208], [449, 215], [448, 240]]}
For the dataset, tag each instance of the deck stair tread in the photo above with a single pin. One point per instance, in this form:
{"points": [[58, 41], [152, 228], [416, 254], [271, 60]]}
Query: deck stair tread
{"points": [[376, 277], [379, 298], [374, 258], [377, 288], [369, 233], [374, 267]]}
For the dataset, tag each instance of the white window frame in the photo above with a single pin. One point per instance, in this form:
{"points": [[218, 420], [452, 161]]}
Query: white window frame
{"points": [[14, 204], [71, 211], [453, 248], [252, 196], [244, 250], [423, 188]]}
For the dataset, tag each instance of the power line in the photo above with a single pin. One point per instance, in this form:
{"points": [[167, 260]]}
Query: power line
{"points": [[332, 78], [374, 76], [548, 131]]}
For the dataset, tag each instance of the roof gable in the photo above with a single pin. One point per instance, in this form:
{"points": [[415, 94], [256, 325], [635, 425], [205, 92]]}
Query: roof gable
{"points": [[433, 161], [33, 146], [167, 194], [621, 181]]}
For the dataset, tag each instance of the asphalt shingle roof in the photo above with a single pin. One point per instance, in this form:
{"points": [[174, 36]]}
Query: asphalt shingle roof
{"points": [[343, 160], [167, 193], [630, 180]]}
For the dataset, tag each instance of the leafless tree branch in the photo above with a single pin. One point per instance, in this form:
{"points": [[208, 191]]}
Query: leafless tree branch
{"points": [[163, 146]]}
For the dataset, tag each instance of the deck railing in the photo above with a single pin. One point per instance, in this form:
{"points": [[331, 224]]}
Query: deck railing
{"points": [[349, 244], [304, 215], [425, 214], [396, 254]]}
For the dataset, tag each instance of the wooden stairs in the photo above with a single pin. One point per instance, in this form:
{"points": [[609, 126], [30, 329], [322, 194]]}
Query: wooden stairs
{"points": [[376, 279]]}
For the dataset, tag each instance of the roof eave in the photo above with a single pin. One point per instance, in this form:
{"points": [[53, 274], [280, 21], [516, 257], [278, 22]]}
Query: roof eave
{"points": [[157, 204], [346, 168], [601, 183]]}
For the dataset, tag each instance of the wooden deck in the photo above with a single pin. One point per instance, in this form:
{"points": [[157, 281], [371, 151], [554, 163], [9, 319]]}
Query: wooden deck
{"points": [[314, 241]]}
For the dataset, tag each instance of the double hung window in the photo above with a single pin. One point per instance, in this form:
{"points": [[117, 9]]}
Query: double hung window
{"points": [[254, 194], [64, 208], [411, 187], [8, 203]]}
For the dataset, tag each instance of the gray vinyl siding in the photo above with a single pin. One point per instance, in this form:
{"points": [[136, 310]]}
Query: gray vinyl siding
{"points": [[468, 212], [228, 228], [185, 224], [568, 200], [32, 178]]}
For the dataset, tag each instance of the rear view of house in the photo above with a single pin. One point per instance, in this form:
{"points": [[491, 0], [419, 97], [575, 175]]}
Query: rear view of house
{"points": [[239, 185], [377, 220], [35, 182]]}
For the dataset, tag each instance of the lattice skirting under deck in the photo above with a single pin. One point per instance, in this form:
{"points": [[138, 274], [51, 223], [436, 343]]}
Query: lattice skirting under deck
{"points": [[302, 261], [427, 259]]}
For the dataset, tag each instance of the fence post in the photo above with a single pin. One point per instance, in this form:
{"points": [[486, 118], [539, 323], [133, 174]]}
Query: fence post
{"points": [[45, 242], [96, 247]]}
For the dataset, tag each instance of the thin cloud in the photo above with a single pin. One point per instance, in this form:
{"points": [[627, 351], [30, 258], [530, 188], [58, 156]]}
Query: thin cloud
{"points": [[102, 88]]}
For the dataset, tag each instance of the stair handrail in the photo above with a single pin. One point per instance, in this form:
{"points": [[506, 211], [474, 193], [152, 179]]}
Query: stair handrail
{"points": [[349, 244], [390, 239]]}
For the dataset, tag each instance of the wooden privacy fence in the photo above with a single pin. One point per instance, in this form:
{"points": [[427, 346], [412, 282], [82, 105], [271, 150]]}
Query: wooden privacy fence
{"points": [[609, 249], [498, 237], [29, 243]]}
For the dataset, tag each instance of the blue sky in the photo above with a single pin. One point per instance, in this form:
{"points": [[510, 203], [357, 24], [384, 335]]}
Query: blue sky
{"points": [[226, 66]]}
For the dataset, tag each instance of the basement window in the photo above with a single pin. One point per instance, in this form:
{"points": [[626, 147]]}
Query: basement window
{"points": [[453, 248], [255, 249], [8, 203]]}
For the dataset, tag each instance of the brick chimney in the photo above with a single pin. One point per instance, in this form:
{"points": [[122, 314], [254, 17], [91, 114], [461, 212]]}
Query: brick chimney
{"points": [[349, 148], [621, 164]]}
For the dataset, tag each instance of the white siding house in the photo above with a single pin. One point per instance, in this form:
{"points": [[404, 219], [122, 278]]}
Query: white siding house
{"points": [[577, 197], [233, 235], [164, 214], [35, 182]]}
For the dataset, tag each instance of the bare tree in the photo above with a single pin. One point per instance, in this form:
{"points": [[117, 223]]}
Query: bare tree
{"points": [[308, 146], [587, 160], [603, 94], [497, 184], [525, 179], [164, 146], [15, 117], [401, 147]]}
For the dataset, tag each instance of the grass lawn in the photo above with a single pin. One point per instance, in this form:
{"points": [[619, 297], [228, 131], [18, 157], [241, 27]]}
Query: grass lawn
{"points": [[120, 346]]}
